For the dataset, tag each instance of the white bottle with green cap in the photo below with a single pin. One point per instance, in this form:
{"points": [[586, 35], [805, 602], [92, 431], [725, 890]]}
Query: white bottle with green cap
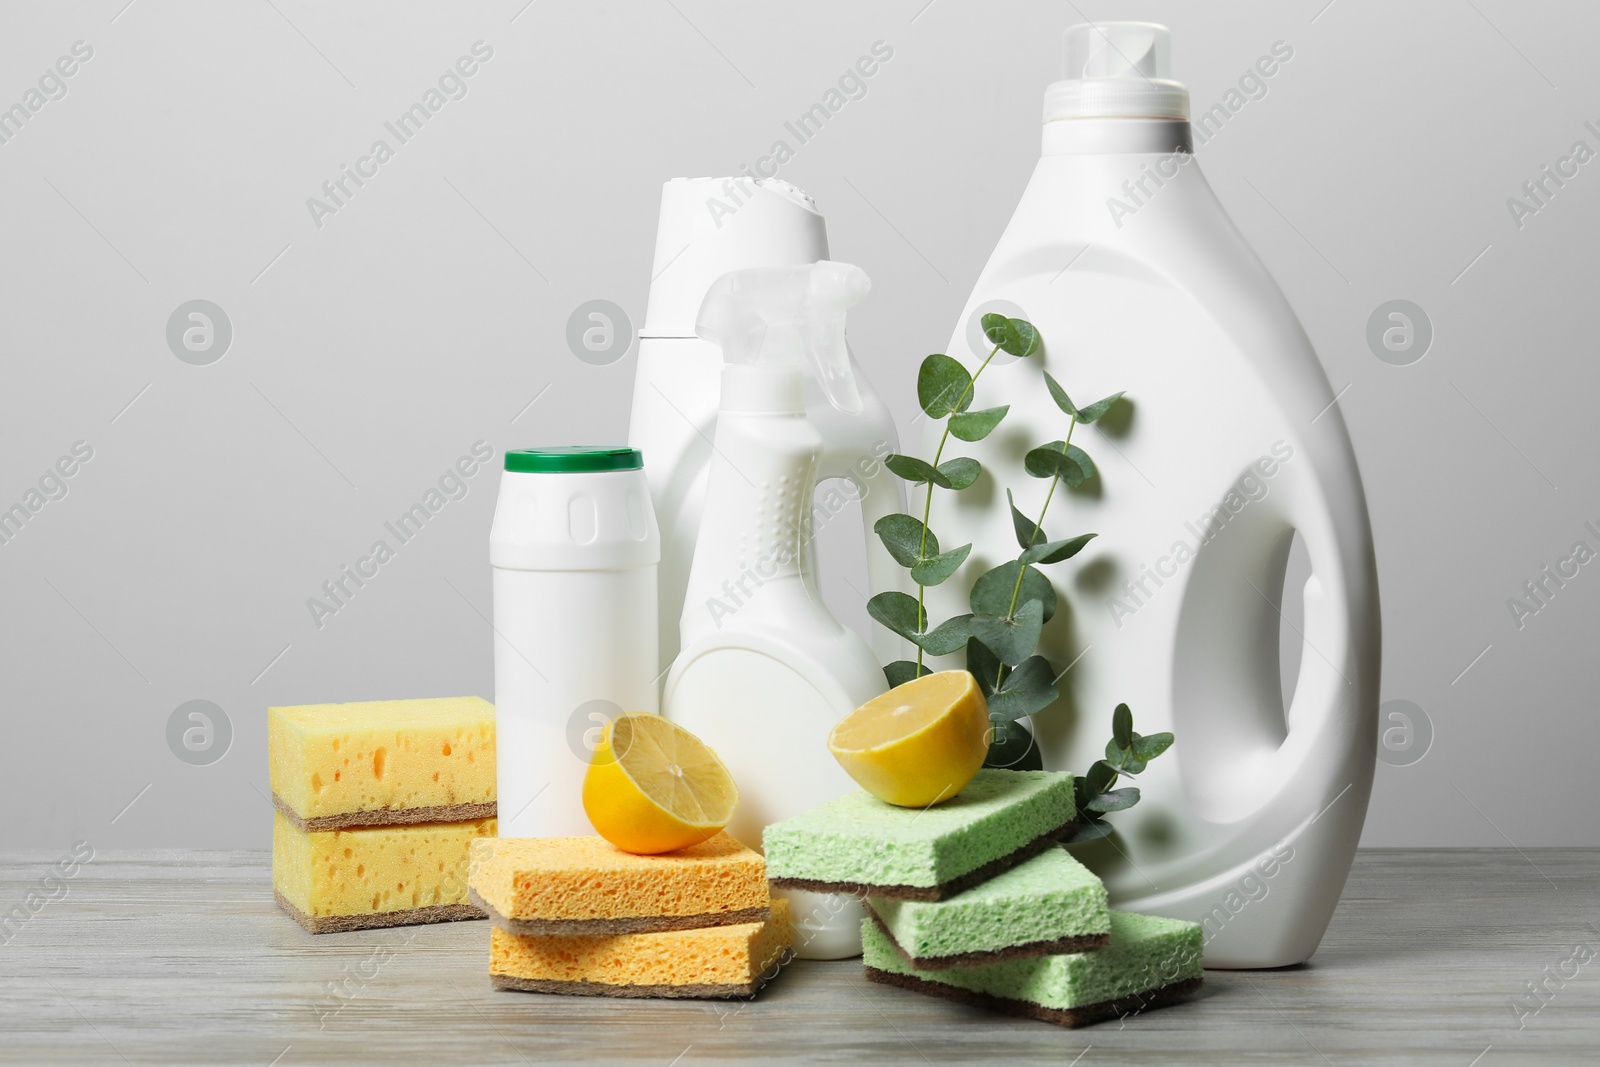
{"points": [[574, 548]]}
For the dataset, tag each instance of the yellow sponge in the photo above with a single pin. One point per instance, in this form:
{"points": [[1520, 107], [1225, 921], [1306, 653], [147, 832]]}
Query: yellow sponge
{"points": [[332, 880], [585, 885], [382, 762], [715, 961]]}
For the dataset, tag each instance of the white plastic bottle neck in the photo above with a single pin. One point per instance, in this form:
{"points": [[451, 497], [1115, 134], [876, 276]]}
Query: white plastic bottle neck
{"points": [[1116, 136], [754, 389]]}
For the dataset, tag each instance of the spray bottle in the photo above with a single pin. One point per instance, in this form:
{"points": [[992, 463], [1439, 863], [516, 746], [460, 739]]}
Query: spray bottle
{"points": [[709, 227], [766, 670]]}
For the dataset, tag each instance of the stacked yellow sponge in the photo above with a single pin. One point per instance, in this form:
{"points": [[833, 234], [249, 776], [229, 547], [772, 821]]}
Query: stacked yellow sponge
{"points": [[577, 915], [377, 805]]}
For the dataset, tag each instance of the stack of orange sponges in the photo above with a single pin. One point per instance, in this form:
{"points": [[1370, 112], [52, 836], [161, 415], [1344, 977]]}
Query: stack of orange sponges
{"points": [[577, 915]]}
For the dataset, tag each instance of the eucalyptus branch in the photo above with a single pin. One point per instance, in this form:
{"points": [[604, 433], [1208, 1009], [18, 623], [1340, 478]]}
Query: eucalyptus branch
{"points": [[927, 505], [1038, 527], [1012, 602]]}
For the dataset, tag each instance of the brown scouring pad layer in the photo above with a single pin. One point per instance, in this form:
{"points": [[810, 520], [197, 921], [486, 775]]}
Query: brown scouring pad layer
{"points": [[1070, 1017], [1080, 943], [639, 924], [601, 989], [382, 817], [338, 924]]}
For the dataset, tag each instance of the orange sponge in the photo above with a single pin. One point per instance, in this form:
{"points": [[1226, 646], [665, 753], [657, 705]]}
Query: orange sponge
{"points": [[715, 961], [585, 885]]}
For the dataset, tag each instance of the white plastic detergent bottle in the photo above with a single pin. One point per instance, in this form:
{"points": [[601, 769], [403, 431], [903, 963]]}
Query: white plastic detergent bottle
{"points": [[1229, 445], [766, 670], [709, 227], [574, 549]]}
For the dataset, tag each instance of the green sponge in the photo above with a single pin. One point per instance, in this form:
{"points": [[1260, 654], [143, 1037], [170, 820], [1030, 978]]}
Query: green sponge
{"points": [[1049, 904], [1150, 962], [859, 844]]}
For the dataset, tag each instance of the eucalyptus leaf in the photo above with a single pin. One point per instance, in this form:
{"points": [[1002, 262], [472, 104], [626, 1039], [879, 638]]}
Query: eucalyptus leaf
{"points": [[902, 671], [1081, 794], [907, 540], [913, 469], [1011, 637], [900, 612], [945, 638], [1123, 760], [1016, 337], [1011, 747], [1115, 800], [1023, 337], [1096, 411], [1045, 461], [1089, 830], [1059, 459], [1149, 747], [991, 593], [976, 425], [1122, 726], [1029, 533], [985, 666], [1085, 464], [959, 473], [1056, 551], [1059, 395], [994, 327], [943, 386], [1028, 688], [1098, 780], [935, 569]]}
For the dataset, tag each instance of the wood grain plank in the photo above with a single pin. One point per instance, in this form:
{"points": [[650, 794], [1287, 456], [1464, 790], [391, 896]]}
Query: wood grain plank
{"points": [[181, 957]]}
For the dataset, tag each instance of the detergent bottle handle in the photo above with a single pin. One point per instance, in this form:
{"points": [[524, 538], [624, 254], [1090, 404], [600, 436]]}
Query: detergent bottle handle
{"points": [[1324, 688], [1328, 732], [1252, 758]]}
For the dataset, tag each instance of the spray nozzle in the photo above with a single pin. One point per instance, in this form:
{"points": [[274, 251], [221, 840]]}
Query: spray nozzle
{"points": [[786, 318]]}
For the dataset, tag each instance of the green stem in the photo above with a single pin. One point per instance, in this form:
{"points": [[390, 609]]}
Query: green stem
{"points": [[1038, 528], [927, 504]]}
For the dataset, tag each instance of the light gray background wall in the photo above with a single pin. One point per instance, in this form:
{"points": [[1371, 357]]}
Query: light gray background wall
{"points": [[430, 312]]}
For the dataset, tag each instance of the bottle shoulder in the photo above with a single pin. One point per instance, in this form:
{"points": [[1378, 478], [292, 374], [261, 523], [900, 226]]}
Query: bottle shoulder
{"points": [[751, 656]]}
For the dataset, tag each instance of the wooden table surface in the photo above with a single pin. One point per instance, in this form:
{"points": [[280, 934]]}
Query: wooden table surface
{"points": [[182, 957]]}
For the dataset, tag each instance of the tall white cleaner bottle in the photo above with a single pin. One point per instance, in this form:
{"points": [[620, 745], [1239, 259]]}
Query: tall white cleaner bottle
{"points": [[709, 227], [766, 670], [1122, 257]]}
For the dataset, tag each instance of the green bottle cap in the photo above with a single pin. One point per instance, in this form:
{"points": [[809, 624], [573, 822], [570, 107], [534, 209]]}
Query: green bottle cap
{"points": [[570, 459]]}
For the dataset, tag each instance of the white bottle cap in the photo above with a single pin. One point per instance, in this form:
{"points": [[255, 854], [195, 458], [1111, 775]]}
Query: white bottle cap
{"points": [[1117, 70], [710, 226]]}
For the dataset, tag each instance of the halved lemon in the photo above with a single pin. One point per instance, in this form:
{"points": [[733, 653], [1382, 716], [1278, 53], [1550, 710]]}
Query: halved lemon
{"points": [[918, 744], [653, 786]]}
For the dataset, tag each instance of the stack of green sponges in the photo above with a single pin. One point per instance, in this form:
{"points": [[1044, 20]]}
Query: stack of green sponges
{"points": [[972, 900], [1049, 904], [1149, 962]]}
